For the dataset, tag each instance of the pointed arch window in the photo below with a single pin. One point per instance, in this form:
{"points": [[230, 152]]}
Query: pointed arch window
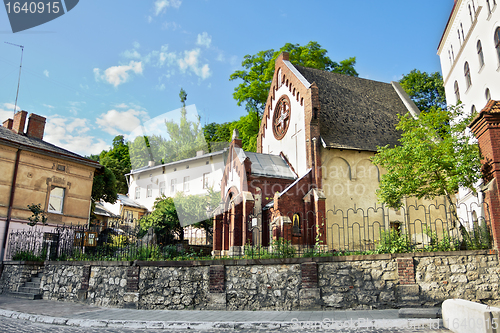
{"points": [[468, 80], [487, 94], [457, 91], [480, 54]]}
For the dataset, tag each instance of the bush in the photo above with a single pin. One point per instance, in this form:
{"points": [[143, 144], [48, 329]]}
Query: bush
{"points": [[394, 242]]}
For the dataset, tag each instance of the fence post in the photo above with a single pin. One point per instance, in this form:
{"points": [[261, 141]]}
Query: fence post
{"points": [[486, 128]]}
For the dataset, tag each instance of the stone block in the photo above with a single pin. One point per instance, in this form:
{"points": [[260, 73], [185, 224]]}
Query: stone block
{"points": [[408, 290], [216, 301], [461, 316], [420, 312], [310, 299], [82, 295]]}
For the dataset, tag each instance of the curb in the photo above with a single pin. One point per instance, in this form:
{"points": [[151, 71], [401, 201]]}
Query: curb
{"points": [[417, 323]]}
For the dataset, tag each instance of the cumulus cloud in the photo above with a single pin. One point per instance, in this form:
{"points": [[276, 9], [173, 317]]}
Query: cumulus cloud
{"points": [[6, 112], [123, 119], [204, 39], [170, 26], [160, 6], [71, 133], [46, 73], [190, 61], [117, 75]]}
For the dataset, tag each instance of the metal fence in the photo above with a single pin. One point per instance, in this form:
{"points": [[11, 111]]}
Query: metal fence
{"points": [[436, 227]]}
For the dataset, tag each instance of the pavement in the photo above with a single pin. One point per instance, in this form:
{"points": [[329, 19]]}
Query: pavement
{"points": [[82, 315]]}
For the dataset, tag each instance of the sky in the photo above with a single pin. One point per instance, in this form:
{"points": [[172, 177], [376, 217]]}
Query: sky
{"points": [[107, 67]]}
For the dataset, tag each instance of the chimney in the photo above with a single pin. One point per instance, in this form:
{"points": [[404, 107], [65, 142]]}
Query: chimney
{"points": [[36, 126], [19, 122], [235, 140], [151, 164], [8, 123], [199, 153]]}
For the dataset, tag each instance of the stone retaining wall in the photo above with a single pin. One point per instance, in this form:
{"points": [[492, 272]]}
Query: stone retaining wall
{"points": [[355, 282]]}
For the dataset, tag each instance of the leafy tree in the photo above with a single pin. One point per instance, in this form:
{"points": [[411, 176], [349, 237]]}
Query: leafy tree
{"points": [[426, 90], [104, 186], [147, 148], [117, 159], [259, 70], [435, 157], [164, 220]]}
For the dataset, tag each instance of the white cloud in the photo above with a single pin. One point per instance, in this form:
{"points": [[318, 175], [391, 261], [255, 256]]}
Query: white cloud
{"points": [[160, 6], [69, 133], [117, 122], [49, 106], [170, 26], [136, 45], [131, 54], [117, 75], [204, 39], [190, 61], [46, 73]]}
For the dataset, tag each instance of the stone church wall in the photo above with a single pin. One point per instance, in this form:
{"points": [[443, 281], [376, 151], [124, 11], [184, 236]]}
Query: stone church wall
{"points": [[355, 282]]}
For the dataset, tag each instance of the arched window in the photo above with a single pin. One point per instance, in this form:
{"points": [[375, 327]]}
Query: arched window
{"points": [[457, 91], [487, 94], [497, 42], [480, 54], [473, 109], [489, 7], [471, 16], [468, 81], [462, 30], [459, 40]]}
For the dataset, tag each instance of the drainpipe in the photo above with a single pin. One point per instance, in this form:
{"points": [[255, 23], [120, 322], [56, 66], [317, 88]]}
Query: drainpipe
{"points": [[11, 202]]}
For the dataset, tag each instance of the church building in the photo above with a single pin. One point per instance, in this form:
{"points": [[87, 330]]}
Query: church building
{"points": [[317, 135]]}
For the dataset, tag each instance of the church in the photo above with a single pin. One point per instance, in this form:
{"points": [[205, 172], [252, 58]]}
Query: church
{"points": [[312, 166]]}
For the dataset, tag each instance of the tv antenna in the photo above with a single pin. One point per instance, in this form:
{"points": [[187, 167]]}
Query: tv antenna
{"points": [[19, 79]]}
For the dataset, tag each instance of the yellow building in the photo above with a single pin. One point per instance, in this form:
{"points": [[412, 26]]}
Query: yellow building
{"points": [[36, 172]]}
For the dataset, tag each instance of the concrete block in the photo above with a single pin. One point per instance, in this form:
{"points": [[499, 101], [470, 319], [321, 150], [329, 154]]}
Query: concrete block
{"points": [[419, 313], [310, 299], [216, 301], [461, 316]]}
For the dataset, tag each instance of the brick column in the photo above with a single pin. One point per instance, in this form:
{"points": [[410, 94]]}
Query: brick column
{"points": [[309, 294], [217, 288], [406, 271], [217, 235], [486, 128], [131, 295], [82, 293]]}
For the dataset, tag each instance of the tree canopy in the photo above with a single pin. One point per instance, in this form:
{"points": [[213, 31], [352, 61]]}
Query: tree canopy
{"points": [[164, 220], [258, 71], [117, 159], [426, 90], [435, 157]]}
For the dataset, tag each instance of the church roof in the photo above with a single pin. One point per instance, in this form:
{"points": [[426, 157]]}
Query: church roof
{"points": [[266, 165], [355, 113]]}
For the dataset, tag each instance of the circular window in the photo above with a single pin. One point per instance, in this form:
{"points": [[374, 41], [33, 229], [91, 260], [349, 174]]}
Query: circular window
{"points": [[281, 117]]}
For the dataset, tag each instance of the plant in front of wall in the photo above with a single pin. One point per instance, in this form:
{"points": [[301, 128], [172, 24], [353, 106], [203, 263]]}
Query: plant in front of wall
{"points": [[38, 215]]}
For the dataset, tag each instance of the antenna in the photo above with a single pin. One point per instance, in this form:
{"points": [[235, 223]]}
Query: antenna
{"points": [[19, 79]]}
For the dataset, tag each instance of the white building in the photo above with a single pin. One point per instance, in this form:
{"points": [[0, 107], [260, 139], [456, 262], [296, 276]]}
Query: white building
{"points": [[469, 52], [192, 176]]}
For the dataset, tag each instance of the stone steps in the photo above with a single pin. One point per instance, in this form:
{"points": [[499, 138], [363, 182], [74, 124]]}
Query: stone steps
{"points": [[30, 289]]}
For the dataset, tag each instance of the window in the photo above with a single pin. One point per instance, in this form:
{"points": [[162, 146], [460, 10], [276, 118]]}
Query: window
{"points": [[471, 16], [459, 39], [489, 7], [457, 91], [473, 109], [487, 94], [206, 180], [452, 54], [149, 191], [137, 192], [467, 75], [173, 186], [480, 54], [462, 31], [497, 42], [186, 184], [162, 188], [56, 200]]}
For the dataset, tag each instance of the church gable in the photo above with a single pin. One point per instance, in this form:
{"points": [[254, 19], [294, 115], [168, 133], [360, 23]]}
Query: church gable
{"points": [[285, 123]]}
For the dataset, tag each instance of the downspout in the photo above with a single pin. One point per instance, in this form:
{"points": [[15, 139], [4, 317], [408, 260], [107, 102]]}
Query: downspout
{"points": [[11, 202]]}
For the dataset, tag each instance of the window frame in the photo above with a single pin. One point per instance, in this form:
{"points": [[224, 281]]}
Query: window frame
{"points": [[496, 39], [185, 184], [137, 192], [479, 48], [53, 195], [149, 191], [456, 88], [162, 188], [468, 80], [173, 185]]}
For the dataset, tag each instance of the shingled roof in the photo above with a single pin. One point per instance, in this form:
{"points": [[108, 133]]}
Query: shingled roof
{"points": [[356, 113], [35, 145]]}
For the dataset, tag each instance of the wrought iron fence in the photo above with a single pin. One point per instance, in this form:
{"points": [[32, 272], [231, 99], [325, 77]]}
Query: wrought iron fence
{"points": [[435, 227]]}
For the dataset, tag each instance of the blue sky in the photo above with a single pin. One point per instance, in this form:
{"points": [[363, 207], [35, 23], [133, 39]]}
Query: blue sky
{"points": [[108, 66]]}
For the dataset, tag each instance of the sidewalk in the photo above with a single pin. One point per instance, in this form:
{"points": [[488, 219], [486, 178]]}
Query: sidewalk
{"points": [[76, 314]]}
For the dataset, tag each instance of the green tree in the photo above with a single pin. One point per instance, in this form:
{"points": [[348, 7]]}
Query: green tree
{"points": [[435, 157], [426, 90], [164, 220], [104, 186], [258, 71], [186, 137], [117, 159]]}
